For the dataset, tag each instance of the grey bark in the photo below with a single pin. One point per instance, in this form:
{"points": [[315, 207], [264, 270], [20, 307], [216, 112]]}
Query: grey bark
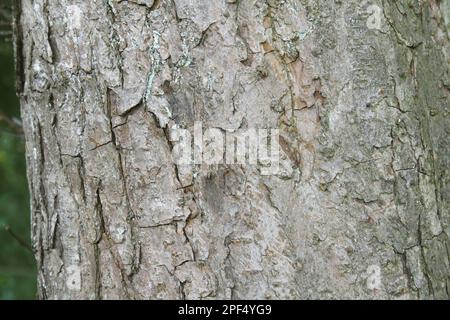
{"points": [[360, 209]]}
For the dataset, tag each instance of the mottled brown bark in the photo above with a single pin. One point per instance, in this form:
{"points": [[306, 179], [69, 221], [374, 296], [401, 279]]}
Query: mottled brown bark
{"points": [[359, 208]]}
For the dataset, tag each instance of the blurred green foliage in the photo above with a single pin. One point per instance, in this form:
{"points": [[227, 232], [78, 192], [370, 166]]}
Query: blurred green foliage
{"points": [[17, 266]]}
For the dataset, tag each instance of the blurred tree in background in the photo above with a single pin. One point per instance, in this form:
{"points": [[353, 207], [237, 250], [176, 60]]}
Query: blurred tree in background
{"points": [[17, 267]]}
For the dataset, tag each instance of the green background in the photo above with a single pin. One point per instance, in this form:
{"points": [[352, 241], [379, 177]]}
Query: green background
{"points": [[17, 266]]}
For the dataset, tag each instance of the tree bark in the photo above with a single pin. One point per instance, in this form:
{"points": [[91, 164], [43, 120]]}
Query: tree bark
{"points": [[358, 90]]}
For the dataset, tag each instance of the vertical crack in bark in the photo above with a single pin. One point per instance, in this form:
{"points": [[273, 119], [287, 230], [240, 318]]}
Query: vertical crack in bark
{"points": [[126, 278], [18, 47]]}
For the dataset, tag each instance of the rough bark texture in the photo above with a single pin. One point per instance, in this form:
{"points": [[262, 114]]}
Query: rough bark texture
{"points": [[360, 208]]}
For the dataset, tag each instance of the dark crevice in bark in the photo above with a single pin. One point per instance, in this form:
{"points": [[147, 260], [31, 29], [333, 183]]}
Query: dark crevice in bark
{"points": [[18, 47]]}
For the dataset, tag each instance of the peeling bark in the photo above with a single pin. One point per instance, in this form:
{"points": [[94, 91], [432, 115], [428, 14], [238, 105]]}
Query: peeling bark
{"points": [[359, 209]]}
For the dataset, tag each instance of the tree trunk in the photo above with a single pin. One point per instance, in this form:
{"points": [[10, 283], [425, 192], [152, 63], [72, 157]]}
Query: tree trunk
{"points": [[359, 92]]}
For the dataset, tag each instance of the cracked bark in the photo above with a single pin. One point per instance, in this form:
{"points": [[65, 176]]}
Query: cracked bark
{"points": [[363, 120]]}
